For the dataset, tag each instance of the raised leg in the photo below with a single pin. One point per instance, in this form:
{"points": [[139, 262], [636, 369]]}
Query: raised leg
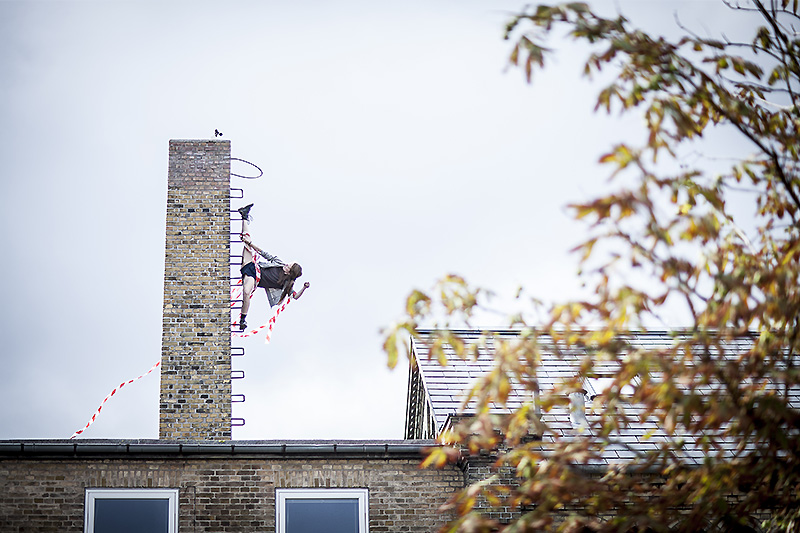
{"points": [[248, 282], [247, 256]]}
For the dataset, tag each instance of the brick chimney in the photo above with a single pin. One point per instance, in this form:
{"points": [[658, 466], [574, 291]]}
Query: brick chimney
{"points": [[196, 341]]}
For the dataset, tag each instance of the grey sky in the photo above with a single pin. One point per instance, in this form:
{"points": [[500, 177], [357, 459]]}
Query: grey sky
{"points": [[396, 148]]}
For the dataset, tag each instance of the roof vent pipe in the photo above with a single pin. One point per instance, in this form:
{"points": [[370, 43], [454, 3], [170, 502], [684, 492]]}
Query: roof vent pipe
{"points": [[577, 411]]}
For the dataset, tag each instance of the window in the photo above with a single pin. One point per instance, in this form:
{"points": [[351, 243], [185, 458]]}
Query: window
{"points": [[314, 510], [131, 511]]}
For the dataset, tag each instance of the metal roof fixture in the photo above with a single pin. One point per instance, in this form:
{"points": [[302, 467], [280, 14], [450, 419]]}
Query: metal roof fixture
{"points": [[577, 412]]}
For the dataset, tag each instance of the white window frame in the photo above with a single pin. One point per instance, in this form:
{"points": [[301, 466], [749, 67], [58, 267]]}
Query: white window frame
{"points": [[362, 495], [93, 494]]}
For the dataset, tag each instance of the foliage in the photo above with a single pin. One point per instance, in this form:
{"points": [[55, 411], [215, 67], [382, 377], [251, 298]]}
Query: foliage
{"points": [[669, 237]]}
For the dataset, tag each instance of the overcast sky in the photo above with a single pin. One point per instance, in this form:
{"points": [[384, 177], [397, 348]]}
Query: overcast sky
{"points": [[396, 148]]}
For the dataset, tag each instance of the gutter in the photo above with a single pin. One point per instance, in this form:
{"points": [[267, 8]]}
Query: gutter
{"points": [[272, 449]]}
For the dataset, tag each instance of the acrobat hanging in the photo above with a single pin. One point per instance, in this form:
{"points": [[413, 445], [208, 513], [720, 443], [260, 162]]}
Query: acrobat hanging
{"points": [[275, 276]]}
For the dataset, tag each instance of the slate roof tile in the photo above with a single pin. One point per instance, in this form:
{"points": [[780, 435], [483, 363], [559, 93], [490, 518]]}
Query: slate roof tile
{"points": [[438, 392]]}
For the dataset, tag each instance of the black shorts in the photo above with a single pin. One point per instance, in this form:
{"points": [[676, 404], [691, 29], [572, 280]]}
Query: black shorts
{"points": [[248, 270]]}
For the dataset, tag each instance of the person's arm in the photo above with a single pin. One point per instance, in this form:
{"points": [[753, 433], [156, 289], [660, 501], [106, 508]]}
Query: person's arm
{"points": [[297, 295], [261, 252]]}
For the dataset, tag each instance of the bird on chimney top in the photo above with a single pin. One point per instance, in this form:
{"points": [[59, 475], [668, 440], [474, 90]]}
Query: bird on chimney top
{"points": [[217, 133]]}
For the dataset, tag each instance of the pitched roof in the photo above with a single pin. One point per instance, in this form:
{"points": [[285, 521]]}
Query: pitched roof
{"points": [[436, 393]]}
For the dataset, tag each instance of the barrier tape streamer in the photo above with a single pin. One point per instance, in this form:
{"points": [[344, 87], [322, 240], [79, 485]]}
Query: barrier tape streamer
{"points": [[236, 292], [268, 326], [112, 393]]}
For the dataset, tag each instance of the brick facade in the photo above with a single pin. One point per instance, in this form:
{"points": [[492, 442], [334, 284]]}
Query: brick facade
{"points": [[222, 492], [480, 467], [195, 399]]}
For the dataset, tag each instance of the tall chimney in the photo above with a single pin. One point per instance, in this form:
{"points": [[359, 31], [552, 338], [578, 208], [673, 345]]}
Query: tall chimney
{"points": [[196, 341]]}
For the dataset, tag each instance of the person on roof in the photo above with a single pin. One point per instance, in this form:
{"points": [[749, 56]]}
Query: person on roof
{"points": [[275, 276]]}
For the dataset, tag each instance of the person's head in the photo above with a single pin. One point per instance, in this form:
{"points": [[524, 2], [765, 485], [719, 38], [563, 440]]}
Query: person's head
{"points": [[293, 270]]}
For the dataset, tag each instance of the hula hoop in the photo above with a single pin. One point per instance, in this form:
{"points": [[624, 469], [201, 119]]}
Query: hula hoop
{"points": [[260, 172]]}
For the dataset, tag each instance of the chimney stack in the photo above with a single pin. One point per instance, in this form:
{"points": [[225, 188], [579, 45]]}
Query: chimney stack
{"points": [[195, 401]]}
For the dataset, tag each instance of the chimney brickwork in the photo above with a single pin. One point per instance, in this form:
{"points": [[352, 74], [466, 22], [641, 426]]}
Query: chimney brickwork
{"points": [[195, 399]]}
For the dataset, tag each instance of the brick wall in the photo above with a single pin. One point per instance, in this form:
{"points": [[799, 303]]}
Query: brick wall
{"points": [[195, 355], [224, 494], [478, 468]]}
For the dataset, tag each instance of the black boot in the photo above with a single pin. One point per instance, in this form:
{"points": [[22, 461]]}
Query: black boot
{"points": [[245, 212], [242, 322]]}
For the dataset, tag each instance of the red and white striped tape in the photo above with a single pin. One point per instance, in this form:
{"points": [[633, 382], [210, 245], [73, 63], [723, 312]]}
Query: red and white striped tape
{"points": [[112, 393], [268, 326], [236, 292]]}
